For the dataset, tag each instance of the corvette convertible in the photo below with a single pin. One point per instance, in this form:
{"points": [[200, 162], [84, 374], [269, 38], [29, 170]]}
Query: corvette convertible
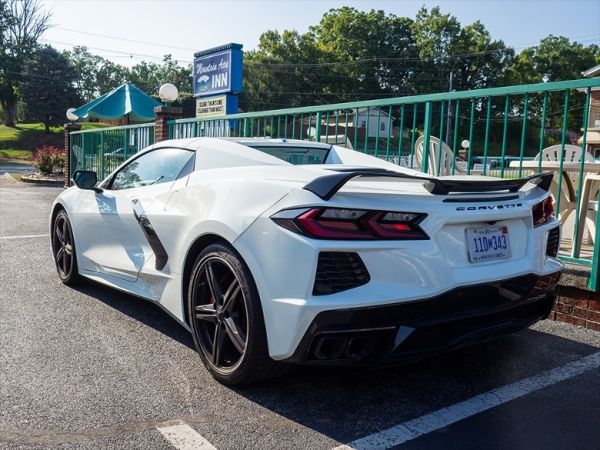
{"points": [[276, 252]]}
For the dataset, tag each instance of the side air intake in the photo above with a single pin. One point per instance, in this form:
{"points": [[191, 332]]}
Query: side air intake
{"points": [[339, 271], [553, 242]]}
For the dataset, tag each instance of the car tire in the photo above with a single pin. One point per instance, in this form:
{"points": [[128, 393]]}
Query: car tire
{"points": [[226, 319], [63, 249]]}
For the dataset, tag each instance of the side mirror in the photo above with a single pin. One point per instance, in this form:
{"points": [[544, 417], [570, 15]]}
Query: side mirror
{"points": [[85, 179]]}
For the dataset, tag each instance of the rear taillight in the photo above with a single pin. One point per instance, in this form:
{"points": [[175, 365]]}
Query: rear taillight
{"points": [[543, 211], [340, 223]]}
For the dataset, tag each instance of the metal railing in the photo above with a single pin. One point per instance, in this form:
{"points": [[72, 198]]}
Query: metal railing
{"points": [[104, 149], [492, 132], [496, 132]]}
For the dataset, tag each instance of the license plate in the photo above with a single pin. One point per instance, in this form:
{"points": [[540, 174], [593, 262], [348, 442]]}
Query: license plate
{"points": [[488, 244]]}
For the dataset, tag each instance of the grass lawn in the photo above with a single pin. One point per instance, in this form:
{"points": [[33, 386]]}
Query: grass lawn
{"points": [[16, 155], [18, 144]]}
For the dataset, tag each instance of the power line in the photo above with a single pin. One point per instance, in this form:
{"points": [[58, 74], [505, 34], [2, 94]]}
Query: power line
{"points": [[391, 59], [284, 64], [119, 52], [125, 39]]}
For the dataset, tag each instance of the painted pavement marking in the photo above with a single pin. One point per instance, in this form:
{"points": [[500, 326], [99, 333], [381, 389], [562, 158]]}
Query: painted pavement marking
{"points": [[184, 437], [27, 236], [444, 417]]}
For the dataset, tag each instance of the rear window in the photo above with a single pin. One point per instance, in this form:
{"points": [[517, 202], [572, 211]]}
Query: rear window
{"points": [[295, 155]]}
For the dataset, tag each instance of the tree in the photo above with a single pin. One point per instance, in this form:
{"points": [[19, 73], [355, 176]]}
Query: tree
{"points": [[95, 75], [555, 58], [48, 88], [347, 55], [23, 22], [6, 20], [281, 73], [109, 76], [149, 76], [373, 51], [353, 54], [469, 53]]}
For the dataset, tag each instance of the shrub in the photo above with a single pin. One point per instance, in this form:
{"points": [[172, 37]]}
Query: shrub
{"points": [[58, 161], [48, 159]]}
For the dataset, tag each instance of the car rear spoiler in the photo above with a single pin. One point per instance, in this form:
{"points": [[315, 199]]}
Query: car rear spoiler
{"points": [[327, 186]]}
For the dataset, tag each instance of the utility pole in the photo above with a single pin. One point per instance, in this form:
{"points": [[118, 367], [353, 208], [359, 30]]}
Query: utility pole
{"points": [[449, 113]]}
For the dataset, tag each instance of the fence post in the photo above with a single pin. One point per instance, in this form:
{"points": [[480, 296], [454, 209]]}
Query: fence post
{"points": [[164, 114], [69, 127], [427, 137], [318, 127]]}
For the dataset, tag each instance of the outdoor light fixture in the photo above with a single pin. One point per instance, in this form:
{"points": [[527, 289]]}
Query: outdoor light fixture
{"points": [[465, 144], [72, 117], [168, 93]]}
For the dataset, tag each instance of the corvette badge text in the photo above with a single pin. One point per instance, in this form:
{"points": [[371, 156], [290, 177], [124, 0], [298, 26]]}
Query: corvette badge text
{"points": [[489, 207]]}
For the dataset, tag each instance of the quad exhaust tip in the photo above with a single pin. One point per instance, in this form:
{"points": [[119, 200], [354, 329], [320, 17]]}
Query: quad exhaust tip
{"points": [[344, 347]]}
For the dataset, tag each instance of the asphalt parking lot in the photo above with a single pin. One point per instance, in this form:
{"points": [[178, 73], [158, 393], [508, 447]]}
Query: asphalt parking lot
{"points": [[94, 368]]}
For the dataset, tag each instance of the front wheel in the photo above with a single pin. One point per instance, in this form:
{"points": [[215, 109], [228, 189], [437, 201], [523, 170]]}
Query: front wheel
{"points": [[226, 318], [63, 249]]}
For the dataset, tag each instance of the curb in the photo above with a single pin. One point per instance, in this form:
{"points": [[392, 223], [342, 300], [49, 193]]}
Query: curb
{"points": [[43, 181]]}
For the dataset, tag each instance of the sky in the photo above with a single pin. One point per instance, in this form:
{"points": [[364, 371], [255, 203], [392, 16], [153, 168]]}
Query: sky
{"points": [[115, 28]]}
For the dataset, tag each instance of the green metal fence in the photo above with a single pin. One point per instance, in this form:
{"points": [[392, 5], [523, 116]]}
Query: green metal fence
{"points": [[104, 149], [507, 132], [496, 132]]}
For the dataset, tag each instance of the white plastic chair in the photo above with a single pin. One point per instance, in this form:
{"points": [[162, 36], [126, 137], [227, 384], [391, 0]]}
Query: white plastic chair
{"points": [[445, 159], [332, 139], [568, 196], [77, 157], [572, 154], [588, 210]]}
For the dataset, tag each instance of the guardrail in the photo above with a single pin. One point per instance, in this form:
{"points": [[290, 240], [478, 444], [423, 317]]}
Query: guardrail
{"points": [[104, 149]]}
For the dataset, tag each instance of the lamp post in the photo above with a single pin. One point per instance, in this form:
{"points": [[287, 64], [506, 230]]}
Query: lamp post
{"points": [[168, 93], [465, 151], [69, 128]]}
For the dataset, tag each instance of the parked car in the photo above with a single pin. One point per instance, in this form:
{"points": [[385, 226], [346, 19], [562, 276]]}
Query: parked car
{"points": [[277, 252]]}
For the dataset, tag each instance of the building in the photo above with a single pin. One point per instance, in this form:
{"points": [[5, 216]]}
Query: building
{"points": [[378, 121], [593, 132]]}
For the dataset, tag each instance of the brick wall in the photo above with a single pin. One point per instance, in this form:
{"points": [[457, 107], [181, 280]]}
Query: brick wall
{"points": [[578, 307], [163, 115], [594, 113], [68, 127]]}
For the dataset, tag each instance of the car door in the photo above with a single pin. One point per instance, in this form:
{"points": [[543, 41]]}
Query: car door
{"points": [[116, 239]]}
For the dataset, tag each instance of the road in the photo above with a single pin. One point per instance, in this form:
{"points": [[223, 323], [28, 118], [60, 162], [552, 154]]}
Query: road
{"points": [[15, 168], [93, 368]]}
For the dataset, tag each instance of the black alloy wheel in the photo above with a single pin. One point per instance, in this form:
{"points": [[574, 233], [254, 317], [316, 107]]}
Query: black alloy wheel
{"points": [[223, 336], [226, 318], [63, 248]]}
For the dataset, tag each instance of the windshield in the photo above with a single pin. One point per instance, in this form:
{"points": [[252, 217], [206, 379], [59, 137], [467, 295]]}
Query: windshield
{"points": [[295, 155]]}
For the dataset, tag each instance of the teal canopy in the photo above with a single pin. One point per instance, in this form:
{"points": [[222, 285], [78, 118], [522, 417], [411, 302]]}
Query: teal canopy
{"points": [[125, 102]]}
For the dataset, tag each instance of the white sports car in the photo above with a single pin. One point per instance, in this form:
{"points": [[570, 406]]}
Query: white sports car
{"points": [[282, 251]]}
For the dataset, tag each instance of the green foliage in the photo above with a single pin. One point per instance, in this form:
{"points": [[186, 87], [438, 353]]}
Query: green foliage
{"points": [[95, 75], [48, 88], [22, 22], [23, 155], [19, 142], [351, 55], [149, 76], [555, 58]]}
